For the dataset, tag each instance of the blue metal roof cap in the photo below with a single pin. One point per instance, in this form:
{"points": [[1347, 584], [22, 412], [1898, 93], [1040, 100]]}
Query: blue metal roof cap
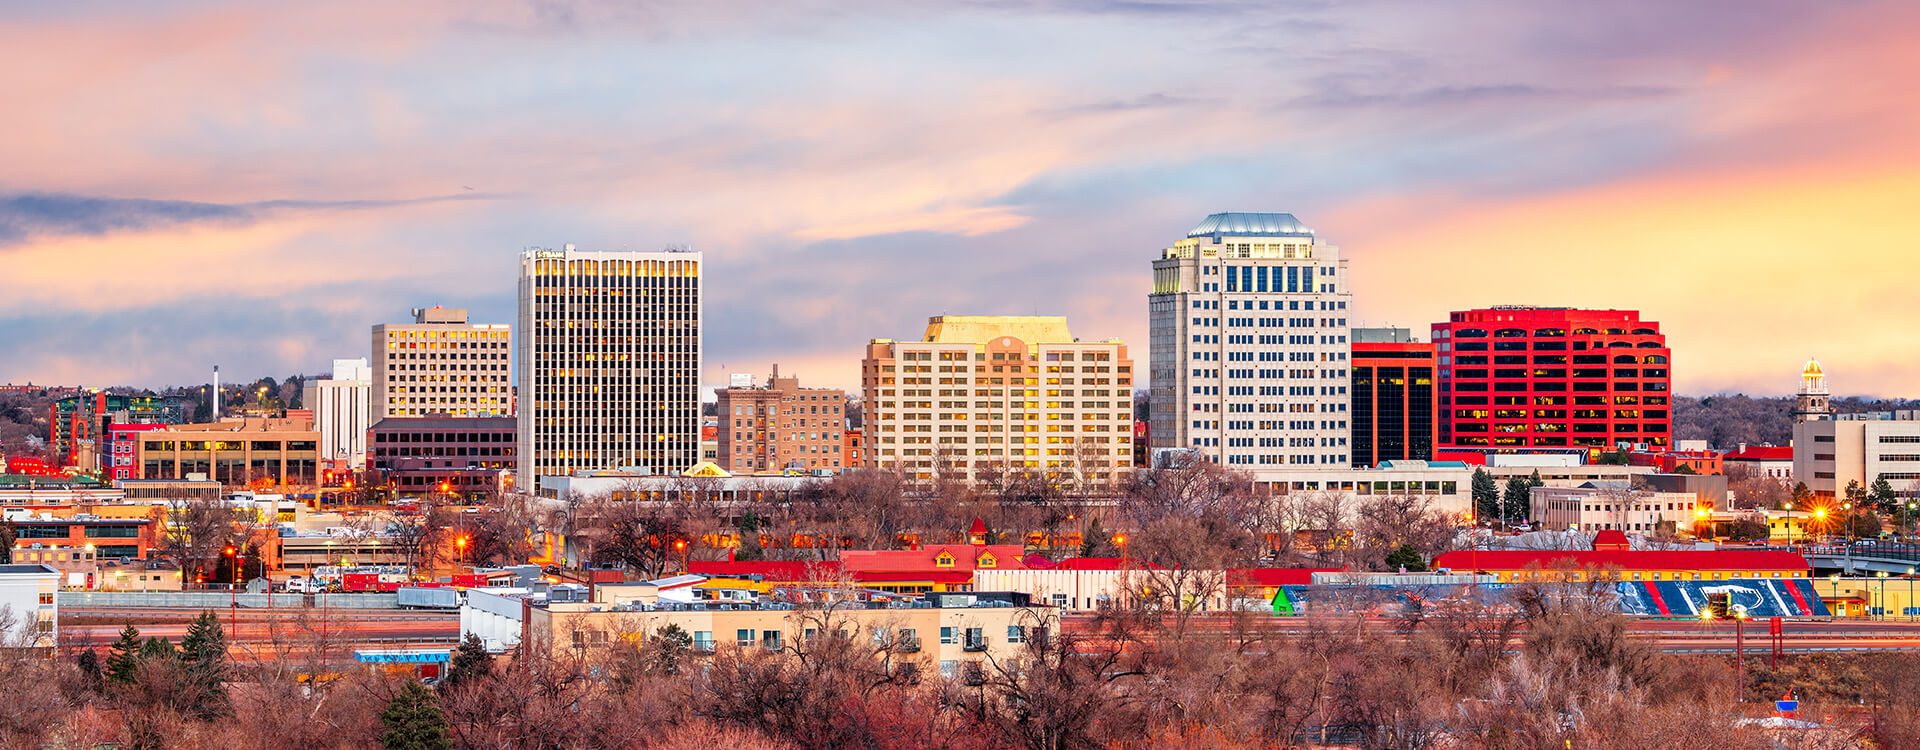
{"points": [[1243, 224]]}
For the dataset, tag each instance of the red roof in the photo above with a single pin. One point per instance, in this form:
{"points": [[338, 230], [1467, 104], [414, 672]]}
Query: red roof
{"points": [[1761, 453], [1275, 576], [895, 576], [1640, 560], [776, 570], [1103, 563]]}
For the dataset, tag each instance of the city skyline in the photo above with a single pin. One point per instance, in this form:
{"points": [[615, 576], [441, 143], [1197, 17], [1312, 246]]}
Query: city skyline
{"points": [[1728, 170]]}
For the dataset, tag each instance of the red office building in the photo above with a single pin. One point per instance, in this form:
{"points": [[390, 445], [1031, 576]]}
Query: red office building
{"points": [[1514, 379], [1394, 397]]}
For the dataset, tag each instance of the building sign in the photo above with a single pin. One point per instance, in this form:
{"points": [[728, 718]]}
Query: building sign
{"points": [[549, 254]]}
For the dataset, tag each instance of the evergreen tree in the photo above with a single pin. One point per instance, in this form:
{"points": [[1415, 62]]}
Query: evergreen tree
{"points": [[204, 652], [1802, 496], [1486, 495], [1096, 542], [749, 526], [414, 721], [157, 648], [470, 660], [1406, 557], [668, 650], [1881, 494], [123, 660], [88, 663], [1518, 500]]}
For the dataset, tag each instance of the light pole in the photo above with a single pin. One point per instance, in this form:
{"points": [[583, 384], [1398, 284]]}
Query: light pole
{"points": [[1883, 594], [461, 543], [233, 593], [1835, 578], [681, 546], [1909, 607], [1121, 539]]}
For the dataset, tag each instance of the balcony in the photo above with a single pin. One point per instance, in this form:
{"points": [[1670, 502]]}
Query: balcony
{"points": [[974, 644]]}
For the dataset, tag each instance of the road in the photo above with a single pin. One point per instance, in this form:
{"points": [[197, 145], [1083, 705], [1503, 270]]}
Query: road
{"points": [[1673, 636], [259, 627]]}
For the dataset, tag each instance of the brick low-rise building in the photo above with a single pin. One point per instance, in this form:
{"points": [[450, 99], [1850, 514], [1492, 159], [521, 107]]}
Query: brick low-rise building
{"points": [[778, 425]]}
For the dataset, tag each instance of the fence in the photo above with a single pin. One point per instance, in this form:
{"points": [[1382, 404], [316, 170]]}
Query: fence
{"points": [[216, 600]]}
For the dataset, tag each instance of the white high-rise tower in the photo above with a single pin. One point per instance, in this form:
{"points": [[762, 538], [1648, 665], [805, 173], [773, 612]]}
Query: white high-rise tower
{"points": [[1250, 343]]}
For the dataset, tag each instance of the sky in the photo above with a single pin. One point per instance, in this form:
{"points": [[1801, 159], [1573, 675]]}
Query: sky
{"points": [[257, 184]]}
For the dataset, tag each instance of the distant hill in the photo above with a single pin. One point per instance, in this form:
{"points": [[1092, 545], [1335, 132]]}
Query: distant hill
{"points": [[1725, 421]]}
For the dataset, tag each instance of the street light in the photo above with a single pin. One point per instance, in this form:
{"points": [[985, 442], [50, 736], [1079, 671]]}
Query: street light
{"points": [[462, 544], [1835, 578], [233, 594], [681, 546]]}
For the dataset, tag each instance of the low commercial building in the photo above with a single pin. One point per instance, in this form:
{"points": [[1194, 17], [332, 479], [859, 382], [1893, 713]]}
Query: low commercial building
{"points": [[1629, 565], [131, 538], [1760, 460], [446, 458], [254, 451], [42, 492], [79, 567], [718, 486], [1668, 462], [31, 593], [1616, 506], [1448, 484], [955, 633]]}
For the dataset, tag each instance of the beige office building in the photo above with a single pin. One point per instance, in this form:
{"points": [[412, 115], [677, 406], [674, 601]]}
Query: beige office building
{"points": [[441, 365], [609, 356], [982, 393]]}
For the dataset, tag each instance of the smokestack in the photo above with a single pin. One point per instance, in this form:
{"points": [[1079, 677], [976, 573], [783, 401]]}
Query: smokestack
{"points": [[215, 396]]}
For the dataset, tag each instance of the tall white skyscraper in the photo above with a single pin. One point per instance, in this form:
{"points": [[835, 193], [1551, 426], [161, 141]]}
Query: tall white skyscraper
{"points": [[1250, 343], [342, 411], [609, 356]]}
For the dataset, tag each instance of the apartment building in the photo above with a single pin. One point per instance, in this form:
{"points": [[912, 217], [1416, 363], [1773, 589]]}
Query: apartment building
{"points": [[999, 393], [441, 365]]}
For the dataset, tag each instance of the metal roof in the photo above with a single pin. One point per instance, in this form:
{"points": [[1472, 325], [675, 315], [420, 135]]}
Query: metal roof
{"points": [[1247, 224]]}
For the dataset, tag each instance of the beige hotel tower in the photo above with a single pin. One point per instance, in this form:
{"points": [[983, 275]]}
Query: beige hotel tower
{"points": [[985, 393]]}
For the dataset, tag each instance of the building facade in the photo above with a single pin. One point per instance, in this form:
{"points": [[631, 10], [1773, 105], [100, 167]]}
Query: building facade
{"points": [[77, 424], [1249, 349], [609, 361], [780, 425], [446, 458], [1519, 378], [342, 411], [441, 365], [131, 538], [31, 593], [1830, 454], [1812, 403], [984, 393], [239, 452], [1394, 398], [1596, 507]]}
